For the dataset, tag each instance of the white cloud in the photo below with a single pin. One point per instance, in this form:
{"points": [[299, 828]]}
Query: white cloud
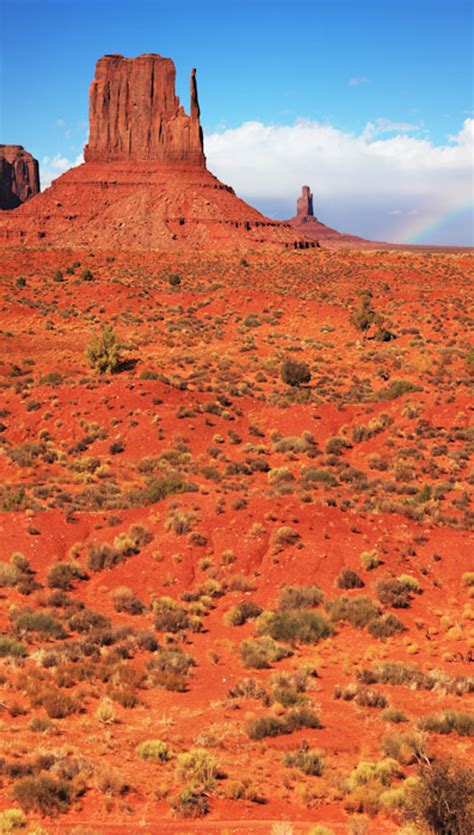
{"points": [[358, 79], [383, 125], [357, 179], [52, 167]]}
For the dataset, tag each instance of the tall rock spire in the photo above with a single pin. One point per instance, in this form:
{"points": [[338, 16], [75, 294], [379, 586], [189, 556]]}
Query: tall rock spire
{"points": [[135, 114], [304, 204]]}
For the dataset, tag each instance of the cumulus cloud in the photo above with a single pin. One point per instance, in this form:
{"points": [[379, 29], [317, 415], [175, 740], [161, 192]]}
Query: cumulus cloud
{"points": [[52, 167], [357, 179]]}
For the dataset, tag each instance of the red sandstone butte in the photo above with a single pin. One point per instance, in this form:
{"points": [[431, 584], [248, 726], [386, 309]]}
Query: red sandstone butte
{"points": [[19, 176], [144, 184], [135, 115]]}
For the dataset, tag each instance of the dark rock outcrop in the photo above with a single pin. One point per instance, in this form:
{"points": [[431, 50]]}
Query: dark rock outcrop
{"points": [[135, 114], [19, 176]]}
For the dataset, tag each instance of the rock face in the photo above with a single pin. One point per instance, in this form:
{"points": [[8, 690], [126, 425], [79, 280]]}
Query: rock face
{"points": [[135, 114], [304, 204], [144, 184], [19, 176]]}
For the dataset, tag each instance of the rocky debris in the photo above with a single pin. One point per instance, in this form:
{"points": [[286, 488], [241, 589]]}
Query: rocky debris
{"points": [[19, 176], [135, 114]]}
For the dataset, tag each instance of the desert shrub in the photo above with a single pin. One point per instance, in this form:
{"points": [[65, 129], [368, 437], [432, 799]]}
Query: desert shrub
{"points": [[312, 475], [198, 767], [362, 696], [162, 486], [382, 771], [10, 574], [364, 316], [174, 280], [468, 579], [62, 574], [240, 614], [443, 798], [448, 721], [43, 623], [358, 611], [294, 373], [309, 762], [110, 782], [294, 720], [169, 616], [397, 388], [392, 714], [10, 647], [42, 794], [125, 601], [86, 275], [370, 559], [153, 749], [180, 522], [285, 535], [125, 545], [349, 579], [169, 669], [105, 712], [57, 704], [410, 583], [103, 354], [293, 625], [190, 804], [405, 748], [397, 672], [262, 653], [391, 592], [299, 597], [385, 626], [11, 820]]}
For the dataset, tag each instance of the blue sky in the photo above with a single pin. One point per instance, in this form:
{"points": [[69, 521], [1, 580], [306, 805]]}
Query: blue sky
{"points": [[360, 74]]}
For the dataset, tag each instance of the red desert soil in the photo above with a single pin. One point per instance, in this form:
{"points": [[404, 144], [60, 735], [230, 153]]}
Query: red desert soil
{"points": [[194, 480]]}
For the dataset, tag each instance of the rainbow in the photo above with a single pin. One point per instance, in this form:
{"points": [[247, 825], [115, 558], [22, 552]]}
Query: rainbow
{"points": [[419, 228]]}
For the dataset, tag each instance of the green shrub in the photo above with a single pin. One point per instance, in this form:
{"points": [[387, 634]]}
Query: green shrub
{"points": [[299, 597], [11, 820], [42, 622], [170, 616], [391, 592], [103, 354], [370, 559], [405, 748], [10, 647], [293, 625], [190, 804], [262, 653], [295, 373], [448, 721], [153, 749], [294, 720], [358, 611], [43, 795], [240, 614], [349, 579], [62, 574], [198, 767], [397, 388], [443, 799], [161, 487], [385, 626], [309, 762]]}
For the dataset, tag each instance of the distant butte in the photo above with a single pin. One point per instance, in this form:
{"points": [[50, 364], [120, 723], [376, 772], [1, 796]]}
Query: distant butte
{"points": [[144, 183], [19, 176], [307, 224]]}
